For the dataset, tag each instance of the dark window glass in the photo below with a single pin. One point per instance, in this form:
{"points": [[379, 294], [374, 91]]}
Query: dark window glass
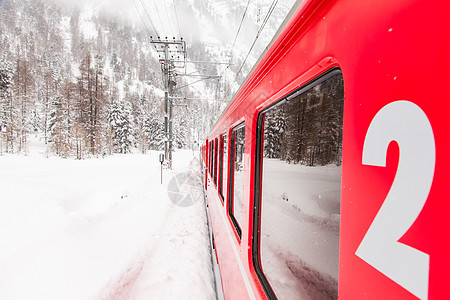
{"points": [[215, 160], [212, 162], [237, 176], [210, 157], [223, 166], [300, 192]]}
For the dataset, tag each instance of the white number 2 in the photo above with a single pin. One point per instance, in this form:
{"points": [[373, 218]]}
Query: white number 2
{"points": [[407, 124]]}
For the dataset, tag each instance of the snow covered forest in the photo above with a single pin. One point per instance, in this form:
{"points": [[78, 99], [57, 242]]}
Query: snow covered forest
{"points": [[87, 82], [84, 96], [307, 130]]}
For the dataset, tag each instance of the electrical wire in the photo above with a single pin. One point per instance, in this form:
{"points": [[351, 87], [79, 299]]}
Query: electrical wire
{"points": [[159, 16], [168, 18], [176, 15], [239, 29], [148, 16], [142, 19], [266, 19]]}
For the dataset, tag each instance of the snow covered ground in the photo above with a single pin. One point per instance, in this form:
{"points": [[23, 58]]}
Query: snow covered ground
{"points": [[100, 229]]}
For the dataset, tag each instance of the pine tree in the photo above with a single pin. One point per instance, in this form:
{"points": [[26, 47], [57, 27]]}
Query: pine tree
{"points": [[180, 132], [274, 129], [119, 121], [57, 81], [154, 130], [6, 118]]}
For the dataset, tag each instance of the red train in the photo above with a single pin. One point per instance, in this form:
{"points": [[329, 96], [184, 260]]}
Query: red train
{"points": [[327, 174]]}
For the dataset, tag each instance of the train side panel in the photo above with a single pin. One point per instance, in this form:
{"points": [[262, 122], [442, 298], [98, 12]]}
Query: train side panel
{"points": [[393, 218]]}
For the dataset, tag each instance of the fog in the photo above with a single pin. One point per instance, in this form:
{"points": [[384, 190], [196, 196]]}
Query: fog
{"points": [[137, 13], [210, 21]]}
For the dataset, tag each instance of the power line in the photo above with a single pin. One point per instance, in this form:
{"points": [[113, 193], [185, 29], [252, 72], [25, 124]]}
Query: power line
{"points": [[142, 19], [159, 16], [269, 13], [183, 86], [168, 18], [176, 15], [148, 16], [239, 29]]}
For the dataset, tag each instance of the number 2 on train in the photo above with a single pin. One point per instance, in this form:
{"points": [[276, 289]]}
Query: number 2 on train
{"points": [[408, 125]]}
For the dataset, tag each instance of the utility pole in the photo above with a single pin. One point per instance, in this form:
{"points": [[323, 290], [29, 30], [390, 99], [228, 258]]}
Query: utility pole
{"points": [[168, 50], [172, 56]]}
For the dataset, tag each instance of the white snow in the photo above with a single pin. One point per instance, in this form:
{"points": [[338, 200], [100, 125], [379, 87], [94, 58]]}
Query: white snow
{"points": [[65, 32], [87, 27], [300, 229], [100, 229]]}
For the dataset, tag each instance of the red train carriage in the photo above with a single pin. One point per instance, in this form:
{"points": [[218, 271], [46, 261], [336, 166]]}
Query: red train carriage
{"points": [[327, 173]]}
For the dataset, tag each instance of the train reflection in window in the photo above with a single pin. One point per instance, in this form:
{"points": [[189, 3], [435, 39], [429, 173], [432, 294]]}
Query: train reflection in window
{"points": [[300, 192]]}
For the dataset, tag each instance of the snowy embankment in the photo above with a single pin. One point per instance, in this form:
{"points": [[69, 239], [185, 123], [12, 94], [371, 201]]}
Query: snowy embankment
{"points": [[100, 229]]}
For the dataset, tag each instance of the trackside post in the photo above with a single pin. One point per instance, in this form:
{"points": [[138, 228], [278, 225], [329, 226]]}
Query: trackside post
{"points": [[161, 160]]}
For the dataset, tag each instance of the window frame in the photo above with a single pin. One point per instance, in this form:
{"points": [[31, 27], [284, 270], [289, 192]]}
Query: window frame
{"points": [[257, 184], [211, 152], [222, 160], [230, 183], [215, 160]]}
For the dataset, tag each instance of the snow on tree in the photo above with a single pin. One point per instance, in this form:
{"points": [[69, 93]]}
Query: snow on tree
{"points": [[58, 129], [312, 134], [48, 56], [6, 108], [119, 121], [153, 128], [180, 132], [24, 94], [275, 126]]}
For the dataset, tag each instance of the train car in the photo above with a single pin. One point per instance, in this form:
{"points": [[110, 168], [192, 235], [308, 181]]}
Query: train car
{"points": [[326, 175]]}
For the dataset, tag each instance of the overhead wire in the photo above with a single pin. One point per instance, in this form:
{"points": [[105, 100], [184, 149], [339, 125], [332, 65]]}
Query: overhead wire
{"points": [[176, 16], [168, 18], [266, 19], [159, 16], [239, 29], [271, 9], [148, 16], [142, 19]]}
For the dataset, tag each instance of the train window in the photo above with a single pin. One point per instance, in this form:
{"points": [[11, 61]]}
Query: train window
{"points": [[236, 192], [298, 195], [223, 166], [215, 160], [214, 152], [210, 157]]}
